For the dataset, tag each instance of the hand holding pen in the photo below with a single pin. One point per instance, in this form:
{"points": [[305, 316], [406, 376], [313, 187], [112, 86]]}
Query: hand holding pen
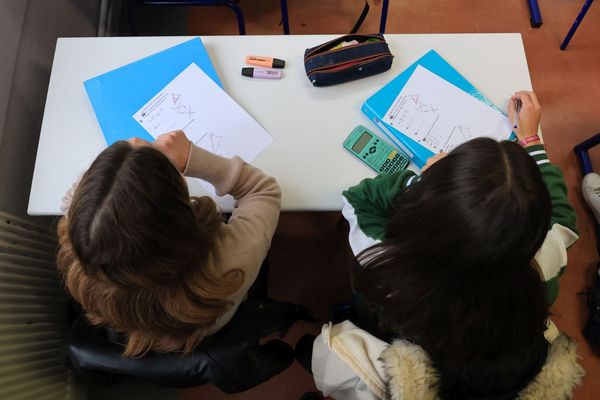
{"points": [[524, 111]]}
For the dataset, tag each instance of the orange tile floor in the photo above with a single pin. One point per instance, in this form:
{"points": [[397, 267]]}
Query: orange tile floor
{"points": [[568, 86]]}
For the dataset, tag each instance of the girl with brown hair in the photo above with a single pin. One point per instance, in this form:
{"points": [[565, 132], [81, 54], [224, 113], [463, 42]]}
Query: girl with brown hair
{"points": [[148, 261]]}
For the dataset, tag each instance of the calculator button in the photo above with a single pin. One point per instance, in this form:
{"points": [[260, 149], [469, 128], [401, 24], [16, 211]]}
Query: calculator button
{"points": [[372, 149]]}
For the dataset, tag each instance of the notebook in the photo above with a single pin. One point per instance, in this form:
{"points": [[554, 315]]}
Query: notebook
{"points": [[116, 95], [389, 103]]}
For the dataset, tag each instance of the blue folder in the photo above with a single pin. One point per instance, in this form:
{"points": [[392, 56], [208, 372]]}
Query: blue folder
{"points": [[377, 105], [120, 93]]}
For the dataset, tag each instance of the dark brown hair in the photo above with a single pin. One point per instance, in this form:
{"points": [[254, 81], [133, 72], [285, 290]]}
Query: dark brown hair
{"points": [[134, 249], [455, 272]]}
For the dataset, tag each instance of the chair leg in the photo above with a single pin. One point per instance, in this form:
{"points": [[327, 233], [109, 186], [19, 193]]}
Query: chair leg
{"points": [[581, 150], [575, 25], [240, 16], [384, 13], [284, 17], [534, 11]]}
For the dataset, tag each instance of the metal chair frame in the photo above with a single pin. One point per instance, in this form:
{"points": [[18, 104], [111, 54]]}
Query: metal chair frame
{"points": [[581, 151], [576, 23], [233, 5]]}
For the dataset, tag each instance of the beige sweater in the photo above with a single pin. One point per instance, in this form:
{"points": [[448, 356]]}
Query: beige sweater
{"points": [[246, 238]]}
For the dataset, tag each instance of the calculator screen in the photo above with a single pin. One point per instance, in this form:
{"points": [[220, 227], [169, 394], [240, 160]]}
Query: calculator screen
{"points": [[361, 142]]}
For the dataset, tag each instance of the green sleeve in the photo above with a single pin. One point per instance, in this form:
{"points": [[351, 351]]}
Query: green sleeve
{"points": [[373, 198], [562, 211]]}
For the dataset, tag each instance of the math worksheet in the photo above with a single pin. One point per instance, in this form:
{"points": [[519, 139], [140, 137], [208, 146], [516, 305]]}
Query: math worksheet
{"points": [[210, 118], [440, 116]]}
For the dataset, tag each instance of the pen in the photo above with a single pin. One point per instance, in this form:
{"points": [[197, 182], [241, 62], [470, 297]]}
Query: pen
{"points": [[516, 116]]}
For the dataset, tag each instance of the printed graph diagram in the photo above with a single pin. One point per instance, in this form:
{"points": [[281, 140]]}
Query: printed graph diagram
{"points": [[458, 135], [179, 106], [465, 132], [211, 142], [422, 107]]}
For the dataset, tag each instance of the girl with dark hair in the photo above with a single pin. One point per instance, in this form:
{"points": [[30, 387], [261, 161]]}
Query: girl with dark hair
{"points": [[456, 272], [148, 261]]}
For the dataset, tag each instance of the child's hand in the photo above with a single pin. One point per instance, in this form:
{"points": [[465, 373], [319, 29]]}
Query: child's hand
{"points": [[176, 146], [529, 115], [432, 160]]}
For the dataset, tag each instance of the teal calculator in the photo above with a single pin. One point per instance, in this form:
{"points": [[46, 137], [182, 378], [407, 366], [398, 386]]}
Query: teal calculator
{"points": [[374, 152]]}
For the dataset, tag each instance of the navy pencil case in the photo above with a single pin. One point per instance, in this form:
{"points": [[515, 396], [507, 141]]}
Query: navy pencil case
{"points": [[329, 64]]}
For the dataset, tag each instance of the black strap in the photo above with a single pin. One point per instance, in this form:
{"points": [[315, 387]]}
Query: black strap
{"points": [[361, 18]]}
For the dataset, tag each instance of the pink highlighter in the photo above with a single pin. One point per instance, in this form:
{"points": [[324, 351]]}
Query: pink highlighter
{"points": [[261, 73]]}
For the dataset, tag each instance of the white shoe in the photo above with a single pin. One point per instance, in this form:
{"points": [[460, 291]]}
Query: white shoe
{"points": [[591, 192]]}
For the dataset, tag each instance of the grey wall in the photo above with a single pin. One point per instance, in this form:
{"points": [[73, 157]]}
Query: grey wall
{"points": [[12, 13], [32, 27]]}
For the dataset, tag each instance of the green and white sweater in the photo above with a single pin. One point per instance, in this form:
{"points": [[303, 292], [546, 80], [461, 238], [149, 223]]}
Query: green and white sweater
{"points": [[367, 208]]}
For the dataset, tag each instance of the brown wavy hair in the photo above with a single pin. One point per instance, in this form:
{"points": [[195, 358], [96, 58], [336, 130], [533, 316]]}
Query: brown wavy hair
{"points": [[134, 250]]}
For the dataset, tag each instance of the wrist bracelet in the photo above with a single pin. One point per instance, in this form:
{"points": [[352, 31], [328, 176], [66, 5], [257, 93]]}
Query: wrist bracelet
{"points": [[529, 139]]}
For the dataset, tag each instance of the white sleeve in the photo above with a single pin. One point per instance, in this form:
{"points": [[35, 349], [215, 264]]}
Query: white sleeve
{"points": [[356, 237], [334, 378]]}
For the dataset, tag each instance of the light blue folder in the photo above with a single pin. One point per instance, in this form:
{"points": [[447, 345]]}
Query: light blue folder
{"points": [[377, 105], [120, 93]]}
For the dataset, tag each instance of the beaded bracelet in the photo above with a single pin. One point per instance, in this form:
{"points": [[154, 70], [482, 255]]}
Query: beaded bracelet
{"points": [[529, 139]]}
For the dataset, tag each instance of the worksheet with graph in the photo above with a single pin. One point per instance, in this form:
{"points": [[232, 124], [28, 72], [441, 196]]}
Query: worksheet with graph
{"points": [[440, 116], [210, 118]]}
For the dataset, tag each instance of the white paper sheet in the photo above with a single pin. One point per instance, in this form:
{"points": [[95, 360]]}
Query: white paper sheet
{"points": [[210, 118], [440, 116]]}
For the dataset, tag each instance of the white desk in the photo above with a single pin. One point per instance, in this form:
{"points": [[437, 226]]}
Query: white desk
{"points": [[308, 124]]}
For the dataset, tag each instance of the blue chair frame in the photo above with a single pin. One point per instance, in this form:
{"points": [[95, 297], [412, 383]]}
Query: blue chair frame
{"points": [[232, 4], [384, 14], [382, 23], [536, 19], [534, 12], [581, 151], [575, 25]]}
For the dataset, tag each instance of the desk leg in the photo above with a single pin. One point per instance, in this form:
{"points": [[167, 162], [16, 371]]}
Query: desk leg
{"points": [[575, 25], [534, 11], [284, 17]]}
